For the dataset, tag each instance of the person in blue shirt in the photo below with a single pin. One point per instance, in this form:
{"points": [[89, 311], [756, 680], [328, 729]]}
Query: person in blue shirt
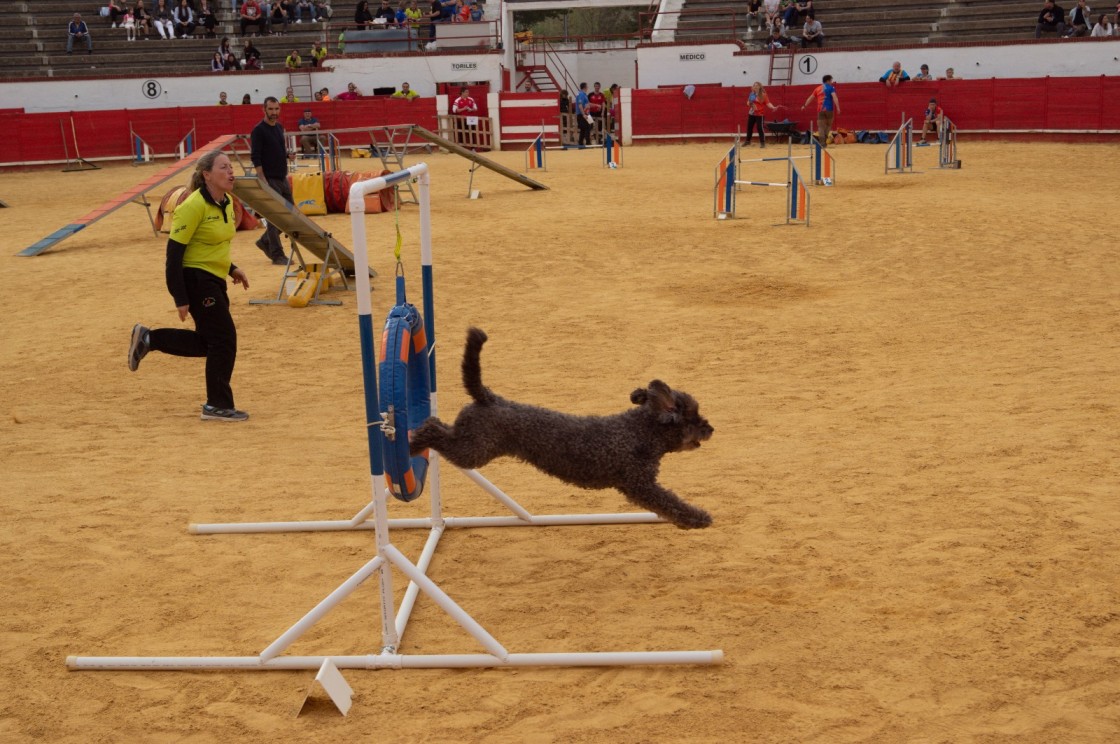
{"points": [[894, 76], [309, 143], [583, 115]]}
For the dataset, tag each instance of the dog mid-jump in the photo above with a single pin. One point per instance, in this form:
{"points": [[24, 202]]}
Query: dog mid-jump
{"points": [[622, 451]]}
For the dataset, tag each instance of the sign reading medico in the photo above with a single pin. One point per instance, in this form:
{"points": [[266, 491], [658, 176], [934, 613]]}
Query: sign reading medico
{"points": [[692, 57]]}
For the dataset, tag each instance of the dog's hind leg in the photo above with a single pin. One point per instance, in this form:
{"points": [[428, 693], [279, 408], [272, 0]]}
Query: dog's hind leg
{"points": [[667, 505], [456, 446]]}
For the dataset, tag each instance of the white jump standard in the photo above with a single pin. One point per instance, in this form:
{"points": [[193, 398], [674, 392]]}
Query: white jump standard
{"points": [[393, 624]]}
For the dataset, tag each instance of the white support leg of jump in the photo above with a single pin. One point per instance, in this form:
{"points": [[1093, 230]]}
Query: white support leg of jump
{"points": [[388, 556]]}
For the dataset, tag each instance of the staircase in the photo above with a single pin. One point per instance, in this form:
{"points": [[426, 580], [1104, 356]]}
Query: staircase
{"points": [[541, 70]]}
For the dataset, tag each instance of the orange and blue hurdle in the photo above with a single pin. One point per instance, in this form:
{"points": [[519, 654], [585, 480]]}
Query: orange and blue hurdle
{"points": [[534, 155], [612, 152], [900, 150], [947, 145], [726, 185]]}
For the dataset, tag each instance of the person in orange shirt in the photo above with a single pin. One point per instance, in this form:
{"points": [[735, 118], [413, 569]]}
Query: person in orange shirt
{"points": [[757, 103], [828, 106]]}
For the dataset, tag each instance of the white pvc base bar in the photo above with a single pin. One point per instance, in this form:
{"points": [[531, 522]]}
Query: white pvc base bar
{"points": [[391, 661], [338, 525]]}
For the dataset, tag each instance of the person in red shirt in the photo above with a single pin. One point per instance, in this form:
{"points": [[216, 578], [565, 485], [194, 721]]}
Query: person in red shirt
{"points": [[466, 106], [757, 104], [598, 104], [350, 94]]}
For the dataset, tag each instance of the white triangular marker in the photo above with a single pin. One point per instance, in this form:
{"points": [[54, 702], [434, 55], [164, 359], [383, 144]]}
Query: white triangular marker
{"points": [[334, 684]]}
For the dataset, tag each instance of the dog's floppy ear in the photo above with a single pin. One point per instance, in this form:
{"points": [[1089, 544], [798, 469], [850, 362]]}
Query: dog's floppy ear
{"points": [[639, 396], [661, 400]]}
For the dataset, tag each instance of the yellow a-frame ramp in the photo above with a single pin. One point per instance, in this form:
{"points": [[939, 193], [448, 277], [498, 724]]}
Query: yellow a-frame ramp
{"points": [[264, 200]]}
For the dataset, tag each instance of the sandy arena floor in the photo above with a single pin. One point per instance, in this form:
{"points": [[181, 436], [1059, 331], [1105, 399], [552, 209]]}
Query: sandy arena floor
{"points": [[913, 476]]}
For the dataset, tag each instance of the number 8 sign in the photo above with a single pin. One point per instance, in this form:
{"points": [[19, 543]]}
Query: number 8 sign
{"points": [[151, 88]]}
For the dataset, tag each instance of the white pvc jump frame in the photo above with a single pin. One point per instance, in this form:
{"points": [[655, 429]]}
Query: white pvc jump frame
{"points": [[388, 556]]}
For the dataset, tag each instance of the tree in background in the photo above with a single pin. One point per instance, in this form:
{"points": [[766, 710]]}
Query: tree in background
{"points": [[575, 22]]}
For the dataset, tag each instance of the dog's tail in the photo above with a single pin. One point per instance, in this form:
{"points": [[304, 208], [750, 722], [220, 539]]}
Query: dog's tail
{"points": [[472, 368]]}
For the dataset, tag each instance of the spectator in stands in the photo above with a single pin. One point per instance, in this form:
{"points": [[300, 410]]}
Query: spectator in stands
{"points": [[362, 16], [251, 57], [293, 61], [1103, 27], [828, 106], [791, 16], [304, 8], [224, 47], [597, 105], [289, 96], [777, 39], [116, 12], [183, 15], [475, 13], [405, 92], [772, 10], [282, 14], [128, 23], [950, 75], [324, 95], [934, 117], [231, 62], [143, 18], [223, 99], [894, 76], [400, 14], [308, 143], [246, 100], [385, 14], [251, 15], [754, 14], [1052, 18], [350, 94], [207, 19], [77, 30], [413, 14], [813, 32], [161, 18], [435, 15], [757, 103], [217, 64], [318, 54], [323, 10], [583, 115], [467, 107], [1079, 20], [923, 75]]}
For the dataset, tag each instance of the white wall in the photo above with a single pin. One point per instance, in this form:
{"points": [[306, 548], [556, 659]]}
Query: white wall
{"points": [[422, 73], [657, 65], [718, 63]]}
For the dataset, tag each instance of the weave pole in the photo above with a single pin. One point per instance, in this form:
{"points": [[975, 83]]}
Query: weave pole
{"points": [[824, 165], [534, 154], [900, 150], [612, 152], [947, 145]]}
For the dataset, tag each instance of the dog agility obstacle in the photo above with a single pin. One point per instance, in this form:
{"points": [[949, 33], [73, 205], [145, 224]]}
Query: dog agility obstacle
{"points": [[612, 152], [947, 145], [727, 183], [387, 556], [142, 151], [900, 150], [534, 154]]}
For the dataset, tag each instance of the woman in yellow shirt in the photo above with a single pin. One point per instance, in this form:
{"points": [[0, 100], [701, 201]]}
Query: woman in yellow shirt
{"points": [[198, 262]]}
